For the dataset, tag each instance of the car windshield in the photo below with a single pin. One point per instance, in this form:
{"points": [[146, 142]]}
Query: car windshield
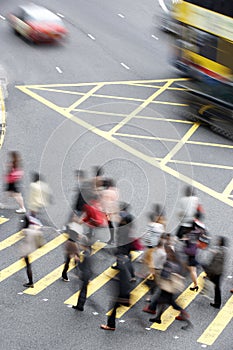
{"points": [[43, 16]]}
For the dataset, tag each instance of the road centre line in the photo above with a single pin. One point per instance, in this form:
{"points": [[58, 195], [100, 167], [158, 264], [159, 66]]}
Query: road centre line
{"points": [[59, 70], [141, 107], [11, 240], [20, 264], [124, 65], [84, 98], [154, 37], [127, 148], [91, 36], [2, 17], [98, 282], [120, 15], [228, 189], [112, 97], [212, 332], [201, 143], [60, 15], [184, 299], [53, 276], [181, 143]]}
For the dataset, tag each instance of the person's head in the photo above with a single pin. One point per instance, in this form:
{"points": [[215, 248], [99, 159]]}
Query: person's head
{"points": [[189, 191], [151, 216], [35, 177], [124, 206], [81, 174], [15, 158]]}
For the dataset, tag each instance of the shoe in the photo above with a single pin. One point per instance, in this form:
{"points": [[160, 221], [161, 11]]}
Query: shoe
{"points": [[107, 328], [28, 285], [133, 279], [194, 289], [114, 267], [65, 279], [21, 211], [183, 316], [157, 320], [148, 300], [231, 291], [76, 307], [149, 311], [216, 306]]}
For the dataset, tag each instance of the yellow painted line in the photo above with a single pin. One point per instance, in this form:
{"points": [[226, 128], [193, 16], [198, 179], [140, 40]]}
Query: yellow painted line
{"points": [[208, 165], [98, 282], [180, 144], [53, 276], [183, 300], [156, 86], [3, 220], [85, 97], [11, 240], [228, 189], [141, 107], [123, 82], [127, 148], [20, 264], [3, 118], [223, 318], [205, 108], [136, 294]]}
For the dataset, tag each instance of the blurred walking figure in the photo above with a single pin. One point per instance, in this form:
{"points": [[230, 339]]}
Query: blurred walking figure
{"points": [[215, 269], [122, 292], [85, 272], [84, 187], [72, 250], [109, 198], [188, 209], [13, 180], [40, 194], [33, 239]]}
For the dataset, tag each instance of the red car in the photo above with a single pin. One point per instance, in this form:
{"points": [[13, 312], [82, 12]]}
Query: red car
{"points": [[37, 24]]}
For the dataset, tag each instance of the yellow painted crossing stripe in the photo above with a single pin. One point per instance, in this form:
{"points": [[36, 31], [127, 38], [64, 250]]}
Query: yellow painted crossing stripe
{"points": [[20, 264], [98, 282], [183, 300], [11, 240], [53, 276], [2, 220], [212, 332], [136, 294]]}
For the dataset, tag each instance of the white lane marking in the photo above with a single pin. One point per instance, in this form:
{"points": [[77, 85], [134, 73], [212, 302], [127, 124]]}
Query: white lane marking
{"points": [[2, 17], [155, 37], [91, 36], [120, 15], [59, 70], [60, 15], [124, 65]]}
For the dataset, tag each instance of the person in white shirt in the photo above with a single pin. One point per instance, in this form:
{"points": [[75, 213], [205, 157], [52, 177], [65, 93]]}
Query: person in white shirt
{"points": [[40, 194]]}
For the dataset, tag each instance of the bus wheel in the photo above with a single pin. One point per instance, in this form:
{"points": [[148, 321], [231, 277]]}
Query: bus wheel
{"points": [[222, 132]]}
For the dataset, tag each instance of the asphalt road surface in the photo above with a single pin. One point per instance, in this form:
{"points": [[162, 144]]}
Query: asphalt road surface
{"points": [[107, 96]]}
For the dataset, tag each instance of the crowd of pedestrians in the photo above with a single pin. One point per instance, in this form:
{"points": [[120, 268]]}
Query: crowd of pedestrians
{"points": [[166, 258]]}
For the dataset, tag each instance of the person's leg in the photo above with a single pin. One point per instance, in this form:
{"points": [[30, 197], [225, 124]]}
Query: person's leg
{"points": [[29, 273], [217, 292], [82, 297], [66, 268], [193, 275], [112, 317], [19, 199], [111, 231]]}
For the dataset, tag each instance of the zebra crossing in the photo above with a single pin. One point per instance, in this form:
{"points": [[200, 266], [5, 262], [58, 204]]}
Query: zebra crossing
{"points": [[207, 336]]}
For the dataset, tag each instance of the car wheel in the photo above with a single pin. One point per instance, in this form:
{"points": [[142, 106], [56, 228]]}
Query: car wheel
{"points": [[16, 32]]}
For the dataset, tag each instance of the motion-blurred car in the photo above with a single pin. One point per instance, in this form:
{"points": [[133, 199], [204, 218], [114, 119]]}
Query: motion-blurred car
{"points": [[37, 24]]}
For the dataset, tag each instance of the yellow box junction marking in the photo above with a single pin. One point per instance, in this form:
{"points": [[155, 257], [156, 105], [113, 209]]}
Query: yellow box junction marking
{"points": [[228, 189], [53, 276], [3, 220], [109, 137], [11, 240], [183, 300], [98, 282], [212, 332], [20, 264]]}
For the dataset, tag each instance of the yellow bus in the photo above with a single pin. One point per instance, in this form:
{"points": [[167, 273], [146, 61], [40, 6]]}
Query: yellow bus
{"points": [[204, 47]]}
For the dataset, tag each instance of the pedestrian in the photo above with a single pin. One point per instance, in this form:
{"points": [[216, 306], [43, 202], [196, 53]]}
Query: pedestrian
{"points": [[13, 180], [109, 198], [187, 211], [40, 194], [74, 232], [122, 292], [82, 190], [85, 272], [124, 242], [33, 239], [215, 269]]}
